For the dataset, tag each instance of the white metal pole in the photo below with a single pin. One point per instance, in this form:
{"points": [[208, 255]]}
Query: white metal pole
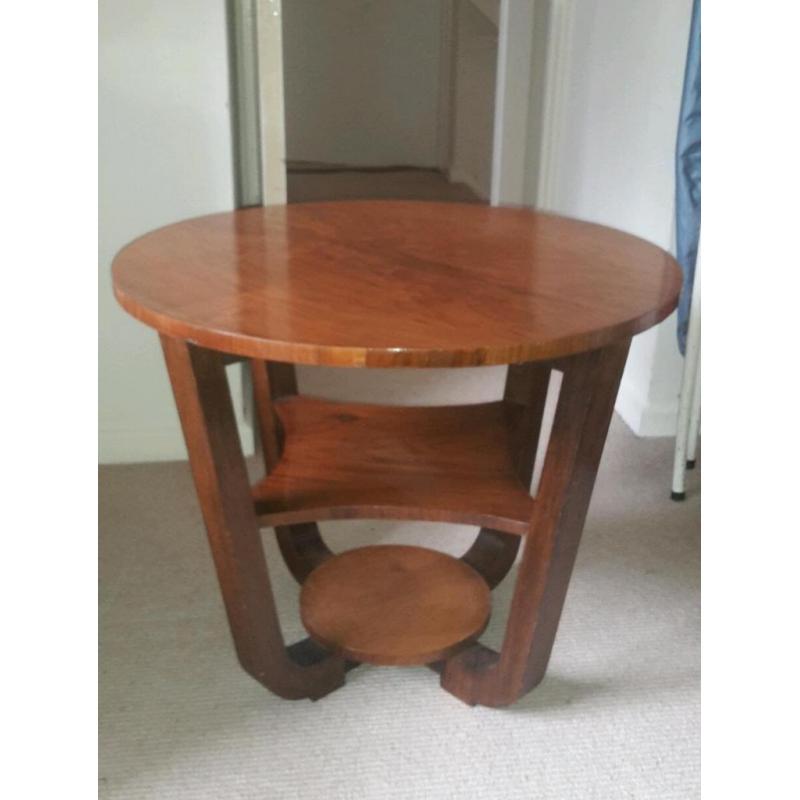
{"points": [[694, 423], [690, 376]]}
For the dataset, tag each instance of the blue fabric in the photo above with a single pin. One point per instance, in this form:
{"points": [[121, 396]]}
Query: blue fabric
{"points": [[687, 176]]}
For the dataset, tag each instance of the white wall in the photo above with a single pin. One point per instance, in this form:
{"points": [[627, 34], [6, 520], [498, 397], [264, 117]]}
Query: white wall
{"points": [[361, 81], [165, 154], [615, 160]]}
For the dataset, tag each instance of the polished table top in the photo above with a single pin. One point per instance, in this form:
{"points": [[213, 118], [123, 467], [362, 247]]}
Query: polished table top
{"points": [[391, 284]]}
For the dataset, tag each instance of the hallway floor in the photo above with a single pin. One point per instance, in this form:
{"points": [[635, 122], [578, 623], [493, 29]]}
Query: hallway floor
{"points": [[305, 187]]}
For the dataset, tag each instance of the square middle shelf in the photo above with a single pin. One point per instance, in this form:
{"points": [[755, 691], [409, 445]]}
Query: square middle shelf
{"points": [[353, 460]]}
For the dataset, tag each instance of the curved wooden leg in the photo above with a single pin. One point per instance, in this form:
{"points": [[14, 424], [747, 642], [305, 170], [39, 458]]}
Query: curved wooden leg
{"points": [[493, 552], [302, 546], [206, 413], [585, 406]]}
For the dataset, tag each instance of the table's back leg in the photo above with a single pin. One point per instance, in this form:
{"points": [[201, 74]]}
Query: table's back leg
{"points": [[302, 546], [220, 476], [585, 406], [493, 552]]}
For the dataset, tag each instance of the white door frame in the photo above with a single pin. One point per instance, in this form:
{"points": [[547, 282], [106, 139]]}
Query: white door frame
{"points": [[521, 176], [511, 102], [559, 37], [269, 16]]}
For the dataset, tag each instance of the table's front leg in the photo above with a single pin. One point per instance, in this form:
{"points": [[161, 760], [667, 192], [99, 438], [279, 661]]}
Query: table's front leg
{"points": [[585, 406], [209, 427]]}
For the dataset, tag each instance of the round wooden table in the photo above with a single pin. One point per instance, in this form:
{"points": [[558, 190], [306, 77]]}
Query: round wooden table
{"points": [[396, 284]]}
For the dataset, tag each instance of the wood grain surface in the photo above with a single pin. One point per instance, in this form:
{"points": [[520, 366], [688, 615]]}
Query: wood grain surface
{"points": [[394, 605], [392, 284], [352, 460]]}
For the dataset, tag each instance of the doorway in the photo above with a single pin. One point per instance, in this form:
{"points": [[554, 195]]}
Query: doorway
{"points": [[408, 98], [389, 99]]}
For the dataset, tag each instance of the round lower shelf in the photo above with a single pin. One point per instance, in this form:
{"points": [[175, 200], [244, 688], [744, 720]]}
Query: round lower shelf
{"points": [[394, 604]]}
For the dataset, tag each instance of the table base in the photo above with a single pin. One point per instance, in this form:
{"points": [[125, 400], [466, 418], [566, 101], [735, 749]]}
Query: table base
{"points": [[406, 464]]}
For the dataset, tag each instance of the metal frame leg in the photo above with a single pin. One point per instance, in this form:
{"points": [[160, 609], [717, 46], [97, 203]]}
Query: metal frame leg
{"points": [[687, 399]]}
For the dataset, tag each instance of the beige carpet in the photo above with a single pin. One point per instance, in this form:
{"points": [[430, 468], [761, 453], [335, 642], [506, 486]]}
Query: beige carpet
{"points": [[617, 716]]}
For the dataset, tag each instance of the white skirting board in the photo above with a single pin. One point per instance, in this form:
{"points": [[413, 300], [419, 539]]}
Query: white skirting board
{"points": [[162, 439], [646, 418], [166, 444]]}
